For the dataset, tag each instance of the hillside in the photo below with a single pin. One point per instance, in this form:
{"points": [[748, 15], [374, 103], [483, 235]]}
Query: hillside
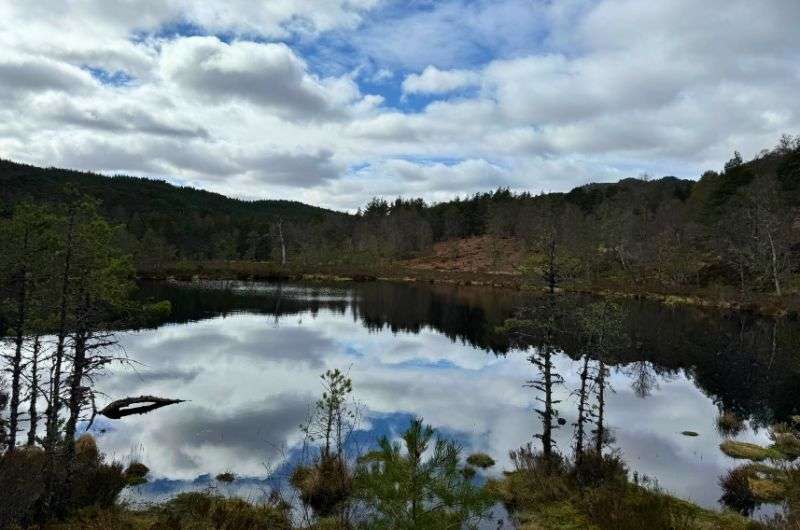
{"points": [[187, 222], [729, 232]]}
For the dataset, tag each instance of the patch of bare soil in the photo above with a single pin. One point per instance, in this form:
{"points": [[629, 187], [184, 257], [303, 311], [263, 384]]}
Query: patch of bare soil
{"points": [[483, 254]]}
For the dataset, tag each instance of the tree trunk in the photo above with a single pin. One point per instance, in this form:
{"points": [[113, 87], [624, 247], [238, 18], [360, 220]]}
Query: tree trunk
{"points": [[601, 405], [16, 363], [579, 435], [75, 391], [33, 414], [547, 424], [774, 257], [55, 387], [283, 242]]}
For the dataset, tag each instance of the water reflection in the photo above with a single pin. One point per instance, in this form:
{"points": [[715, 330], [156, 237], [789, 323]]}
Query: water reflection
{"points": [[248, 357]]}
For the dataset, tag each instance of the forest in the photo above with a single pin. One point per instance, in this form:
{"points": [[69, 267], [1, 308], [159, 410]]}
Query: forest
{"points": [[734, 231]]}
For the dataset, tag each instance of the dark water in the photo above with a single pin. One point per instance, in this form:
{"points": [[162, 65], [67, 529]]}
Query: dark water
{"points": [[249, 356]]}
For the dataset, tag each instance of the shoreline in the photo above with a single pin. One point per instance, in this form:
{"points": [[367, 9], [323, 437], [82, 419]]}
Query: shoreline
{"points": [[758, 304]]}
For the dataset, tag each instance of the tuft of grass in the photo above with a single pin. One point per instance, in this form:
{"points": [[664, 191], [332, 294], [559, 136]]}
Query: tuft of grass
{"points": [[136, 474], [205, 510], [560, 494], [748, 451], [481, 460], [226, 477], [788, 443], [729, 424]]}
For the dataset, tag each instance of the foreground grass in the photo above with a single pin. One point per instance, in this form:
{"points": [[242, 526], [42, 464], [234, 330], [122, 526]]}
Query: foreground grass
{"points": [[187, 511], [597, 495]]}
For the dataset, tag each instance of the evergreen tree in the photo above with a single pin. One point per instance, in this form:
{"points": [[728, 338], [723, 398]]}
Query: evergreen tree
{"points": [[403, 489]]}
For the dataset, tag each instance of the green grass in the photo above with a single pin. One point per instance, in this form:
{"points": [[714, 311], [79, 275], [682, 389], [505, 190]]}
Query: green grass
{"points": [[562, 495], [748, 451]]}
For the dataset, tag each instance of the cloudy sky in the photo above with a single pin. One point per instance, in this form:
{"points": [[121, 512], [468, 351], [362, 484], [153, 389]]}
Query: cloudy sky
{"points": [[334, 101]]}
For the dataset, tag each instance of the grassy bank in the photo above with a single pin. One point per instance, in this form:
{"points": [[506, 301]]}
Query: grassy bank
{"points": [[596, 493], [714, 298]]}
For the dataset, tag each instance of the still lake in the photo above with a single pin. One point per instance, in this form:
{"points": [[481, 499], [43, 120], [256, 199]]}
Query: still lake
{"points": [[248, 356]]}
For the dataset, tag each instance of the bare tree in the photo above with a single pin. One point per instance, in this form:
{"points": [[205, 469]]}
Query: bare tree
{"points": [[536, 328]]}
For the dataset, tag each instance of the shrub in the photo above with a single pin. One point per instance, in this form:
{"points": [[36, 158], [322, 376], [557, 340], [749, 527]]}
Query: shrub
{"points": [[481, 460], [594, 469], [85, 481], [226, 478], [325, 486], [736, 490], [136, 474]]}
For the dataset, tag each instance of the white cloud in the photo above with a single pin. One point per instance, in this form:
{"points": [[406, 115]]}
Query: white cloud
{"points": [[265, 74], [560, 93], [435, 81]]}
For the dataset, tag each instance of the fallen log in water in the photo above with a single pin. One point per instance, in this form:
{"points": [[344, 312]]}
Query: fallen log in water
{"points": [[127, 406]]}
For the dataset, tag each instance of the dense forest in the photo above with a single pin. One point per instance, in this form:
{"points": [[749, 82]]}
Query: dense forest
{"points": [[737, 228]]}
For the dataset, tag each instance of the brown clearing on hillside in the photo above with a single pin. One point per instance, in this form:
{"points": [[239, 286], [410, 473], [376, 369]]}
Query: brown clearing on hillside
{"points": [[485, 254]]}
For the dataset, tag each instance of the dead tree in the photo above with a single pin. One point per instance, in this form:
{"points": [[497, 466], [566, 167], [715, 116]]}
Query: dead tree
{"points": [[583, 409], [600, 434], [19, 339], [282, 241], [536, 328], [33, 413]]}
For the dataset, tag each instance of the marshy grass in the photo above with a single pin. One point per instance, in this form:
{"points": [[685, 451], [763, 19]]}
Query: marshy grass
{"points": [[561, 494], [749, 451], [729, 424]]}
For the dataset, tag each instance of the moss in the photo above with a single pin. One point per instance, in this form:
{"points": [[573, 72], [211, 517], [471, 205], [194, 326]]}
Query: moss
{"points": [[748, 451], [481, 460]]}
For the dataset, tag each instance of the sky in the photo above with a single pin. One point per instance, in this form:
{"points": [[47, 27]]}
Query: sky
{"points": [[332, 102]]}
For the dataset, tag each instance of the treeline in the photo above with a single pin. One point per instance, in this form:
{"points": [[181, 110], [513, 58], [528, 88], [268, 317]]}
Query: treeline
{"points": [[734, 229]]}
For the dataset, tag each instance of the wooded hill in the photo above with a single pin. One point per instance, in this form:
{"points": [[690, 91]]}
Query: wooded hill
{"points": [[735, 228]]}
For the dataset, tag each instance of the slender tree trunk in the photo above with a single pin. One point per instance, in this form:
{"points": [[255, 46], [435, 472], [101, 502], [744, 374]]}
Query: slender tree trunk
{"points": [[16, 363], [551, 273], [75, 392], [55, 389], [601, 405], [547, 427], [33, 413], [579, 435], [774, 257], [283, 242]]}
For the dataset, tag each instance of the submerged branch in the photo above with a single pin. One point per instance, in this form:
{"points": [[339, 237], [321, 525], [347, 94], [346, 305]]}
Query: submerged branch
{"points": [[125, 407]]}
